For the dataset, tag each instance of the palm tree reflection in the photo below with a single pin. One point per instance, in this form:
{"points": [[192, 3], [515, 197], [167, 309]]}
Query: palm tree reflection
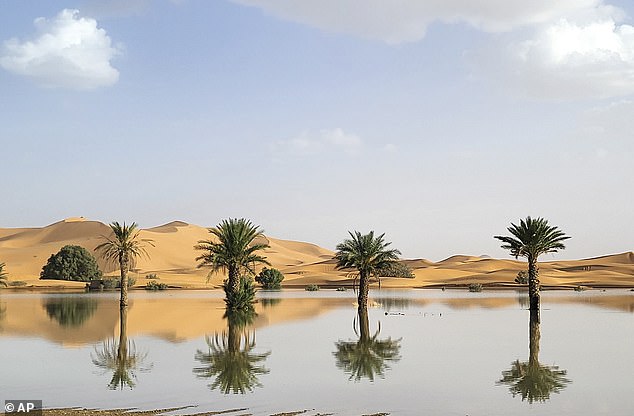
{"points": [[230, 359], [531, 380], [369, 356], [122, 358]]}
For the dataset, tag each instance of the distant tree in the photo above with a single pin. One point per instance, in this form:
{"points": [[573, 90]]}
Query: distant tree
{"points": [[124, 246], [530, 239], [71, 263], [397, 269], [368, 255], [522, 277], [3, 275], [233, 249], [270, 278]]}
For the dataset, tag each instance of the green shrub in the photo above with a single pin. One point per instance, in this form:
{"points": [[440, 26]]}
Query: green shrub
{"points": [[522, 277], [475, 287], [152, 276], [152, 285], [397, 269], [71, 263], [270, 278], [580, 288], [17, 283], [243, 299], [312, 288], [115, 282]]}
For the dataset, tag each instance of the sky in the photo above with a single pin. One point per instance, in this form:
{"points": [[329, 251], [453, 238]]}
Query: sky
{"points": [[438, 123]]}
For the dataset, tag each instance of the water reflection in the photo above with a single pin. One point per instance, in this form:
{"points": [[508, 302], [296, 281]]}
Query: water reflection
{"points": [[394, 303], [121, 358], [230, 360], [70, 311], [369, 356], [270, 302], [530, 379]]}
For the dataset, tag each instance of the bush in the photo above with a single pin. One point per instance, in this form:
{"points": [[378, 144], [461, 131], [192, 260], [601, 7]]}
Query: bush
{"points": [[475, 287], [397, 269], [155, 286], [115, 282], [270, 278], [17, 283], [522, 277], [243, 299], [312, 288], [71, 263], [152, 276]]}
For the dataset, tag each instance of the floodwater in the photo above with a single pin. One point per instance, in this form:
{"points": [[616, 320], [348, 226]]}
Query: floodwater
{"points": [[420, 352]]}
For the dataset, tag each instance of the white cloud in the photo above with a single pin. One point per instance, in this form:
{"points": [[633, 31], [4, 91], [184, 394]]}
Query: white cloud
{"points": [[308, 143], [68, 51], [567, 59], [398, 21]]}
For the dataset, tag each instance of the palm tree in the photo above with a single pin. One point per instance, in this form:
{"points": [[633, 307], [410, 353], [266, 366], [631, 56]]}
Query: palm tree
{"points": [[368, 255], [531, 238], [124, 246], [3, 275], [232, 250], [122, 358], [529, 379], [368, 356], [230, 359]]}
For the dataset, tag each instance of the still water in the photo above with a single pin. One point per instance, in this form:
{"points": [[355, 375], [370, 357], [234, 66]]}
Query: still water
{"points": [[423, 352]]}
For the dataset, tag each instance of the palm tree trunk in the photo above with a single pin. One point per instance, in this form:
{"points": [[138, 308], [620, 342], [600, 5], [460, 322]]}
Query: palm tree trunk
{"points": [[533, 285], [364, 287], [122, 351], [364, 325], [534, 336], [234, 280], [123, 264]]}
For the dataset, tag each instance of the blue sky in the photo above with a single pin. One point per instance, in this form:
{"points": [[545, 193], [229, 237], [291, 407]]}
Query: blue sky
{"points": [[437, 122]]}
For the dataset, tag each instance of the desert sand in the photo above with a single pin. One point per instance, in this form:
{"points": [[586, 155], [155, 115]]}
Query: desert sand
{"points": [[26, 250]]}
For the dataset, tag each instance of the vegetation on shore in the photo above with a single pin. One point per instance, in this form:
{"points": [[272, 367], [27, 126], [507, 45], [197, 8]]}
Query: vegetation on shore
{"points": [[71, 262]]}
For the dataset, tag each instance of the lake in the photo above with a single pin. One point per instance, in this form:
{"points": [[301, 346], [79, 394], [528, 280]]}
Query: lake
{"points": [[429, 352]]}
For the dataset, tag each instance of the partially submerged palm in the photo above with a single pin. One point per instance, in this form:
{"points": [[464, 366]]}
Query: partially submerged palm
{"points": [[234, 250], [124, 246], [368, 255], [230, 360], [530, 239]]}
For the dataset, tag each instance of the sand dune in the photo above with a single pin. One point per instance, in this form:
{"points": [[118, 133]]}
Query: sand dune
{"points": [[173, 258]]}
